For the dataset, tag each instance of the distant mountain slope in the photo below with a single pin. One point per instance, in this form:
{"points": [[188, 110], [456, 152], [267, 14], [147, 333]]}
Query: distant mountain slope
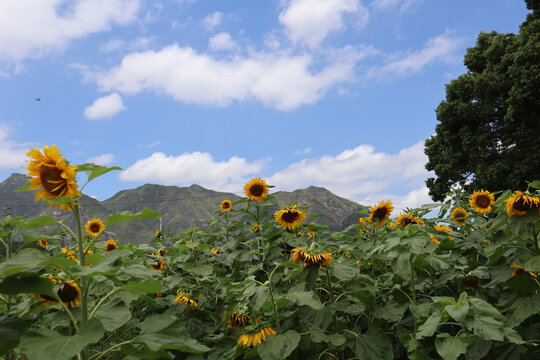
{"points": [[183, 207]]}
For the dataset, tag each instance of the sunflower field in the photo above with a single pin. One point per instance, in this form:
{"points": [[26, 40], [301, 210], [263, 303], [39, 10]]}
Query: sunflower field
{"points": [[254, 284]]}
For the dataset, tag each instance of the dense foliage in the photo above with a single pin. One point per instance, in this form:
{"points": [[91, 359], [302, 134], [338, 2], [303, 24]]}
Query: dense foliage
{"points": [[462, 284], [489, 124]]}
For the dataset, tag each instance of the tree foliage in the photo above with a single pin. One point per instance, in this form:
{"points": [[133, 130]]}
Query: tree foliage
{"points": [[488, 134]]}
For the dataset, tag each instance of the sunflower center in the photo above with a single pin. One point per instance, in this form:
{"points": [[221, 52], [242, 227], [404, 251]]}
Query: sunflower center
{"points": [[407, 221], [51, 180], [111, 247], [520, 204], [460, 214], [226, 205], [256, 190], [68, 293], [95, 228], [483, 201], [380, 213], [290, 216]]}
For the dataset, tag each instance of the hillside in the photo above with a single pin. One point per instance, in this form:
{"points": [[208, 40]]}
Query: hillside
{"points": [[183, 207]]}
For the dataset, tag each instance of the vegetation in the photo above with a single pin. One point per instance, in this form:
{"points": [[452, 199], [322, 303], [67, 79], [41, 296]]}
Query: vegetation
{"points": [[488, 131]]}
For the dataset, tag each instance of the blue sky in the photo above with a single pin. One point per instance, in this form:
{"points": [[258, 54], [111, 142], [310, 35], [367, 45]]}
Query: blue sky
{"points": [[333, 93]]}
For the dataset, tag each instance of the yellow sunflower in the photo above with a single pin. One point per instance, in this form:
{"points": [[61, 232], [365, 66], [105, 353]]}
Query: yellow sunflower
{"points": [[440, 229], [256, 189], [256, 338], [70, 294], [457, 214], [47, 300], [519, 204], [290, 218], [226, 205], [43, 243], [301, 255], [162, 252], [408, 218], [481, 201], [50, 172], [520, 270], [159, 265], [185, 299], [238, 321], [310, 233], [215, 251], [380, 213], [94, 227], [255, 228], [110, 245]]}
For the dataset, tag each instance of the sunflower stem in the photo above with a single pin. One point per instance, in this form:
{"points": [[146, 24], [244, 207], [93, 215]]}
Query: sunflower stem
{"points": [[274, 306], [103, 353], [84, 282], [227, 225], [413, 289], [102, 300]]}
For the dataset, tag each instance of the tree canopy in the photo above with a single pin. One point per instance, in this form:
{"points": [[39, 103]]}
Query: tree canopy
{"points": [[488, 135]]}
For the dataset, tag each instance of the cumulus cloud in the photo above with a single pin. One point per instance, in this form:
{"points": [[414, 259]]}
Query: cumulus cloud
{"points": [[104, 107], [13, 154], [221, 41], [212, 20], [278, 80], [193, 168], [310, 21], [440, 48], [31, 28], [103, 160]]}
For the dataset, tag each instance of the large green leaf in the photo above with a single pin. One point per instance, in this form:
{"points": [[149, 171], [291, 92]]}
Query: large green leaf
{"points": [[26, 285], [146, 286], [345, 271], [458, 311], [93, 170], [37, 223], [258, 294], [374, 344], [451, 347], [305, 298], [113, 314], [108, 263], [128, 215], [318, 336], [523, 309], [11, 329], [429, 327], [478, 349], [28, 259], [42, 343], [487, 328], [278, 347]]}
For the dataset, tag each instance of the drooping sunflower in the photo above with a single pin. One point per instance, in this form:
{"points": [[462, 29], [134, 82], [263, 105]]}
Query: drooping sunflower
{"points": [[440, 229], [457, 214], [226, 205], [70, 294], [408, 218], [159, 265], [50, 173], [110, 245], [238, 321], [257, 338], [481, 201], [43, 243], [380, 213], [256, 189], [94, 227], [47, 300], [185, 299], [290, 218], [521, 270], [519, 203], [306, 258]]}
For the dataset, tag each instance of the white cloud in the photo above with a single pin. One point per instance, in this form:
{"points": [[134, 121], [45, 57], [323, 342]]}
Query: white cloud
{"points": [[193, 168], [303, 152], [310, 21], [440, 48], [12, 154], [149, 146], [103, 160], [104, 107], [212, 20], [278, 80], [139, 43], [30, 28], [388, 4], [221, 41]]}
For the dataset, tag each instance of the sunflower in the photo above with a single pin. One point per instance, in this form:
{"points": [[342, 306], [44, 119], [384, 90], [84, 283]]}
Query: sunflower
{"points": [[290, 218], [301, 255], [226, 205], [380, 212], [519, 204], [47, 300], [255, 228], [159, 265], [256, 338], [215, 250], [43, 243], [50, 172], [162, 252], [406, 219], [159, 294], [458, 213], [521, 270], [256, 189], [440, 229], [70, 294], [94, 227], [71, 255], [110, 246], [310, 233], [481, 201], [157, 234], [185, 299], [238, 321]]}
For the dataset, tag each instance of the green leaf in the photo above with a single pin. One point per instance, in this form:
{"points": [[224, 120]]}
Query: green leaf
{"points": [[26, 285], [37, 223], [345, 271], [61, 200], [533, 264], [392, 311], [23, 261], [535, 184], [200, 270], [458, 311], [374, 344], [278, 347], [311, 274], [450, 347], [258, 294], [25, 187], [402, 265], [429, 327], [108, 263], [487, 328], [113, 314], [147, 286], [42, 343], [305, 298], [318, 336], [128, 215], [478, 349], [11, 329], [523, 309], [96, 170], [513, 336], [486, 308]]}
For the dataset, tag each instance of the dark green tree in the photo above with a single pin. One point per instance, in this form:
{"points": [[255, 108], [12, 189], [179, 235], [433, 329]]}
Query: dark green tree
{"points": [[488, 135]]}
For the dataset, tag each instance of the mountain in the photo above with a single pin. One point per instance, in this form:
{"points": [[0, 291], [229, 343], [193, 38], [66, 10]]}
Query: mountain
{"points": [[183, 207]]}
